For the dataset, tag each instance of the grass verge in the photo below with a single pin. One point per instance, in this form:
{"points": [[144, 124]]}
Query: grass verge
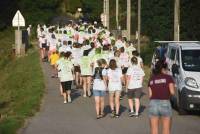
{"points": [[21, 89]]}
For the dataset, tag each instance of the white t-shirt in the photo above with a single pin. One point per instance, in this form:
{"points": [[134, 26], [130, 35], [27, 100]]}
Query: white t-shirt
{"points": [[42, 38], [58, 63], [114, 78], [99, 83], [64, 48], [136, 74], [66, 67], [77, 53], [124, 59], [52, 44], [119, 44]]}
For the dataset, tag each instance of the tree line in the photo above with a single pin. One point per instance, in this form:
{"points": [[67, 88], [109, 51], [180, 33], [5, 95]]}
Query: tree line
{"points": [[157, 15]]}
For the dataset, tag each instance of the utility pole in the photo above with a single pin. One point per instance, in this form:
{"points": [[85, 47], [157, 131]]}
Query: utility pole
{"points": [[107, 15], [139, 24], [128, 19], [117, 14], [176, 20]]}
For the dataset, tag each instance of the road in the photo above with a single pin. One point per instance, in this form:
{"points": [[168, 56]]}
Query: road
{"points": [[79, 117]]}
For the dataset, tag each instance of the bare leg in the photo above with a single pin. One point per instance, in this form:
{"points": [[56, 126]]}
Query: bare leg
{"points": [[77, 79], [69, 96], [111, 100], [130, 102], [84, 86], [97, 105], [154, 121], [89, 85], [117, 102], [61, 90], [166, 125], [102, 105], [65, 96], [137, 105]]}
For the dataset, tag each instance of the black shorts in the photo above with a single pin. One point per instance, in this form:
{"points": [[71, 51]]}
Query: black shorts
{"points": [[134, 93], [44, 45], [66, 86], [124, 70], [77, 69]]}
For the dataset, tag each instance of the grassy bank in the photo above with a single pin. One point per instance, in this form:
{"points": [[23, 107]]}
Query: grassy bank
{"points": [[21, 86]]}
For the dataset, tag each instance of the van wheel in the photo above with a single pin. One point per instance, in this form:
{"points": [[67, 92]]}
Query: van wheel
{"points": [[181, 111]]}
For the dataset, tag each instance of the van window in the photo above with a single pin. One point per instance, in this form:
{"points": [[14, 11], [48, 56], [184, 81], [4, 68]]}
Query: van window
{"points": [[191, 60], [172, 54]]}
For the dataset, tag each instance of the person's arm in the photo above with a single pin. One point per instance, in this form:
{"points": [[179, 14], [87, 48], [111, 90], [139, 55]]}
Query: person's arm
{"points": [[150, 92], [172, 89]]}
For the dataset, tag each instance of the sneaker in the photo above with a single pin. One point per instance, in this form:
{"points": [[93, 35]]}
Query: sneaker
{"points": [[131, 114], [102, 115], [112, 115], [69, 99], [65, 102], [116, 115], [136, 115], [89, 93], [84, 95], [98, 117]]}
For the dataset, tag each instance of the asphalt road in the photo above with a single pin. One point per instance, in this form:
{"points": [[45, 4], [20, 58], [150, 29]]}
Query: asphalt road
{"points": [[79, 117]]}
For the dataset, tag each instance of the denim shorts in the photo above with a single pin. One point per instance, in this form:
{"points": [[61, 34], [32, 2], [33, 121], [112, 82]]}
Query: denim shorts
{"points": [[160, 108], [99, 93]]}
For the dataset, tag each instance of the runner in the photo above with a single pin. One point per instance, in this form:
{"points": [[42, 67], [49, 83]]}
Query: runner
{"points": [[135, 76], [86, 73], [53, 59], [99, 87], [66, 76], [77, 53], [124, 64], [161, 87], [58, 63], [115, 79]]}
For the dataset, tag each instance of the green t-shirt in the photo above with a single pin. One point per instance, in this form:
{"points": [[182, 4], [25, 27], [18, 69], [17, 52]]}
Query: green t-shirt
{"points": [[85, 65]]}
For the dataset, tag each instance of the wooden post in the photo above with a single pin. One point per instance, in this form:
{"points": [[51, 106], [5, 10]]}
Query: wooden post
{"points": [[18, 42], [176, 20], [139, 24], [128, 19], [107, 15], [117, 14]]}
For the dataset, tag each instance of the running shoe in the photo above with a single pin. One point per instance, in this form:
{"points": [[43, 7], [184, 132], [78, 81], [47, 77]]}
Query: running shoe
{"points": [[84, 95], [98, 117], [112, 115], [136, 115], [65, 102], [89, 94], [69, 99], [131, 114], [116, 115]]}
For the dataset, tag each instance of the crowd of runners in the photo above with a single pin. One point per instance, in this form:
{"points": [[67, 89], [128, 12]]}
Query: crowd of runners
{"points": [[90, 57]]}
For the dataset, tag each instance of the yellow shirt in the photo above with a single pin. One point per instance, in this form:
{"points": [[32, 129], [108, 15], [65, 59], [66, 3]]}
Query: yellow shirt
{"points": [[54, 58]]}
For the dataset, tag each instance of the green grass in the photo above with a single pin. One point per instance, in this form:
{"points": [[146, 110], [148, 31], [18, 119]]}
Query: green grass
{"points": [[21, 87]]}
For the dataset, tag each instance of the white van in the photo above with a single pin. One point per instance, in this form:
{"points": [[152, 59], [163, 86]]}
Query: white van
{"points": [[183, 60]]}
